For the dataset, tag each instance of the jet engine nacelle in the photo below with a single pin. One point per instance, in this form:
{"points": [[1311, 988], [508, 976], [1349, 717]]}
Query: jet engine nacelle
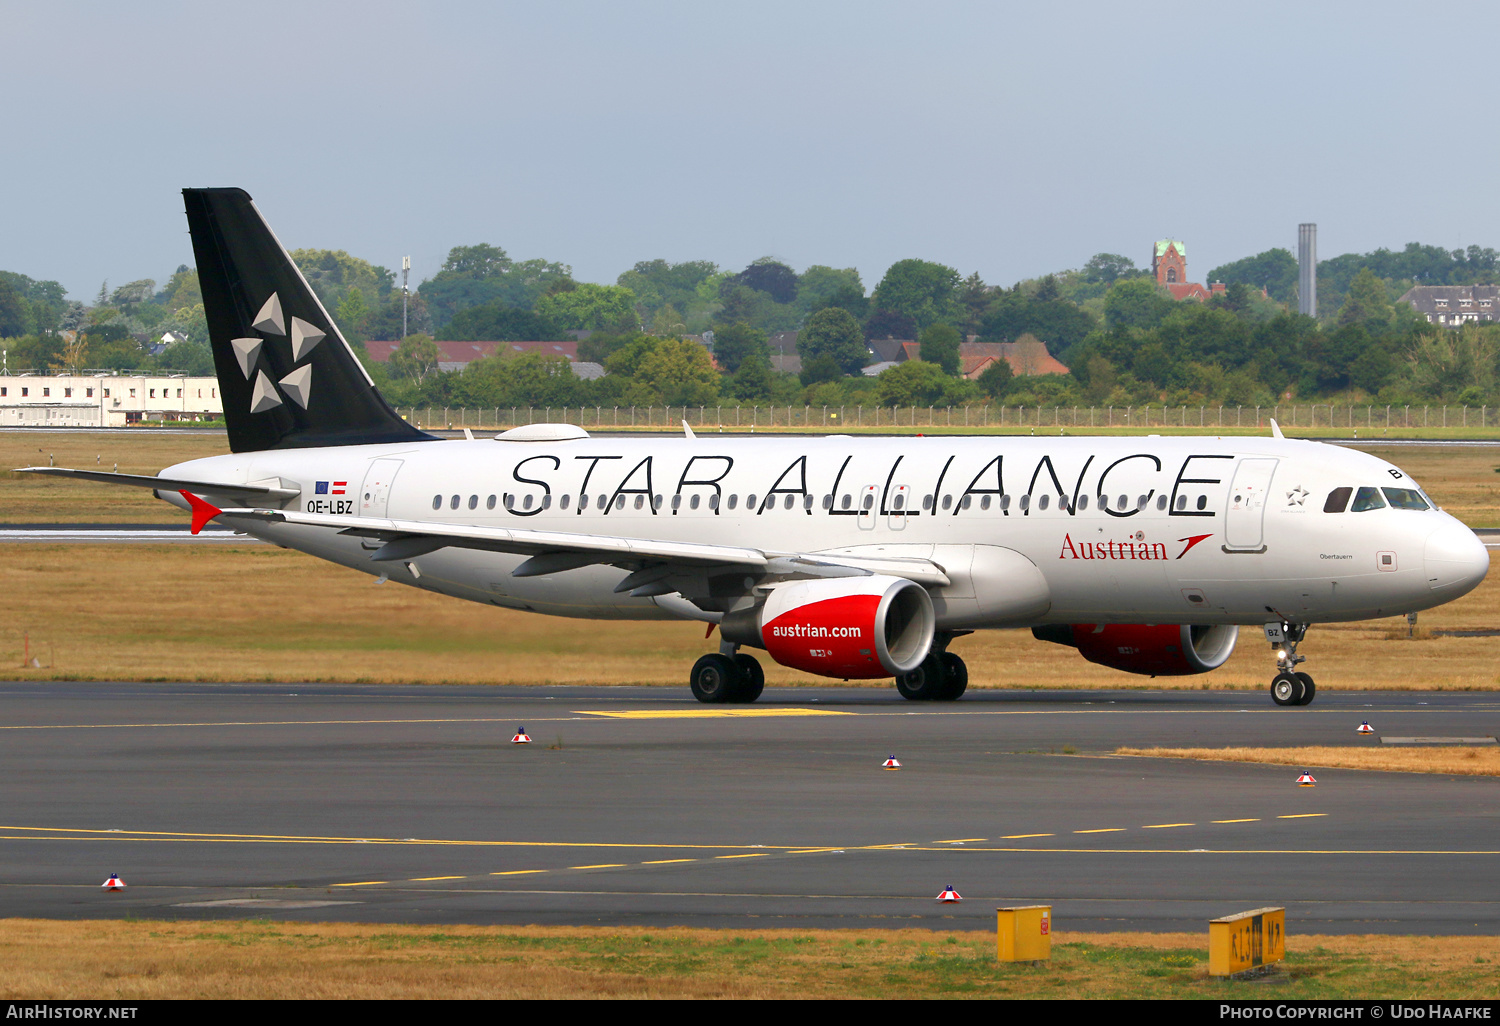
{"points": [[1161, 650], [847, 627]]}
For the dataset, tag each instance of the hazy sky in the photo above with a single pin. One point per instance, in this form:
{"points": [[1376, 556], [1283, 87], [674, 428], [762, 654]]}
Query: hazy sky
{"points": [[1011, 139]]}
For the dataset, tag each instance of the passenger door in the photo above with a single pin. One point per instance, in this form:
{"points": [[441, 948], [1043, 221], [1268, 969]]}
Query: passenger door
{"points": [[1244, 522]]}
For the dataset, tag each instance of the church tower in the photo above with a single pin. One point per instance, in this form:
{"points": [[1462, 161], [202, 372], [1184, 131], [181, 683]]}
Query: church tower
{"points": [[1169, 263], [1169, 266]]}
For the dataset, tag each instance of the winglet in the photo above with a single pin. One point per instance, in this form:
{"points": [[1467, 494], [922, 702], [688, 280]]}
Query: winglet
{"points": [[203, 512], [687, 431], [1276, 429]]}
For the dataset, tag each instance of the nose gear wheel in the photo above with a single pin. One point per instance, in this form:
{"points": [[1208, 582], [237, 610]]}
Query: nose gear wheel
{"points": [[1290, 686], [1286, 689]]}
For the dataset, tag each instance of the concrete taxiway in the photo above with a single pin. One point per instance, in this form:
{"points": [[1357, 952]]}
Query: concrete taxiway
{"points": [[639, 806]]}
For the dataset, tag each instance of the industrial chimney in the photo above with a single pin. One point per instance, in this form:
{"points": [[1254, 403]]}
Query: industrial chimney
{"points": [[1307, 269]]}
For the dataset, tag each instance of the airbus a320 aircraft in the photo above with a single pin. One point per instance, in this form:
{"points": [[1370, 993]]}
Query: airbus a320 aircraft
{"points": [[845, 557]]}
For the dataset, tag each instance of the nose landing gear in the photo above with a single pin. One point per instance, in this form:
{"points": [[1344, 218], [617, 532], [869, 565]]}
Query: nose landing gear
{"points": [[1290, 686]]}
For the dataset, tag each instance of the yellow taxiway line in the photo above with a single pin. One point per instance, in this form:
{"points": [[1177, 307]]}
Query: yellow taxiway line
{"points": [[735, 851], [288, 723], [83, 834], [710, 714]]}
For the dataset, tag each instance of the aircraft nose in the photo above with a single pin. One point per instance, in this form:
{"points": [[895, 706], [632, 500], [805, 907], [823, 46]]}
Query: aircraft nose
{"points": [[1456, 560]]}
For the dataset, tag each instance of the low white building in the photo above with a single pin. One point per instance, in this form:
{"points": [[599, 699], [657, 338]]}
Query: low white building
{"points": [[105, 400]]}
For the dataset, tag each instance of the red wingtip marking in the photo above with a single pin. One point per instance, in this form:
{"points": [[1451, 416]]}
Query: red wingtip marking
{"points": [[203, 512]]}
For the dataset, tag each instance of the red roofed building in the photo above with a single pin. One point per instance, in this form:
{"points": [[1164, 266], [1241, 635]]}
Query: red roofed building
{"points": [[1027, 356], [455, 356], [1169, 264]]}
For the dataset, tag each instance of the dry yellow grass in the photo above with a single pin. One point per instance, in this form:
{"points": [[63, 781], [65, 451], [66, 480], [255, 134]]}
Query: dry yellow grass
{"points": [[35, 498], [1462, 480], [224, 612], [1483, 762], [259, 959]]}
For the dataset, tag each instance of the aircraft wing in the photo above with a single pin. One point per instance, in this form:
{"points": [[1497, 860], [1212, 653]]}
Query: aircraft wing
{"points": [[239, 491], [657, 565]]}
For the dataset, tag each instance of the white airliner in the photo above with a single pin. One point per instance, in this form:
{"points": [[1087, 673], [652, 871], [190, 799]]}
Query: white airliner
{"points": [[845, 557]]}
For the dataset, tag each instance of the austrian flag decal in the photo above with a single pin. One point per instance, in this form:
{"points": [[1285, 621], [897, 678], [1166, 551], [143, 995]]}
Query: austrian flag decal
{"points": [[338, 487]]}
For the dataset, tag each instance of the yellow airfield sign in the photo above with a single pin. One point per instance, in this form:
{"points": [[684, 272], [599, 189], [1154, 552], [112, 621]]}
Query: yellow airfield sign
{"points": [[1244, 941]]}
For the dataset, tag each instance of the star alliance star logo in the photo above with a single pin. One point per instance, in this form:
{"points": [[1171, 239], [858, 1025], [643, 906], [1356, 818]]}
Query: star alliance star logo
{"points": [[304, 338], [1297, 496]]}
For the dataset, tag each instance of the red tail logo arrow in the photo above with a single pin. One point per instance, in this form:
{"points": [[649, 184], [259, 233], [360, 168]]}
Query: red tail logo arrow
{"points": [[1194, 540]]}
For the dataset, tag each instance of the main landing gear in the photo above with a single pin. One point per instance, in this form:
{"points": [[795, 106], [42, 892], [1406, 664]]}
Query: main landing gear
{"points": [[1290, 686], [942, 676], [727, 676]]}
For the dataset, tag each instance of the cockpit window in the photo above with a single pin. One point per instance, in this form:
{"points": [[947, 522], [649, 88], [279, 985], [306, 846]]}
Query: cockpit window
{"points": [[1367, 499], [1338, 500], [1405, 498]]}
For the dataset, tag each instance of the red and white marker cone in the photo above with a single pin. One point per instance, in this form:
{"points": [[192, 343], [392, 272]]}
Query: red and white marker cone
{"points": [[949, 896], [114, 883], [1364, 728], [521, 738], [1306, 779], [890, 763]]}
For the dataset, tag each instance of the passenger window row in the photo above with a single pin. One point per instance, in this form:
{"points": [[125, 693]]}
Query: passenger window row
{"points": [[1121, 503], [1367, 498], [897, 502], [510, 502]]}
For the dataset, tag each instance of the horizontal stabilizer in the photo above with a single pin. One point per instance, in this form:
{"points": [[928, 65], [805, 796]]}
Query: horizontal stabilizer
{"points": [[171, 484]]}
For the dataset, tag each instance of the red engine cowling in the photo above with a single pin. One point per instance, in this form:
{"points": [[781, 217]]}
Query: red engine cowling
{"points": [[1160, 650], [846, 627]]}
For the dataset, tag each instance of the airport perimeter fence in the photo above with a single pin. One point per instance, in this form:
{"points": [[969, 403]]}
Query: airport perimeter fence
{"points": [[834, 418]]}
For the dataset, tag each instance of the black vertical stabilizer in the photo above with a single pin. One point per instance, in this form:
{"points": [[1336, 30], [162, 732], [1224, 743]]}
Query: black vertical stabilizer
{"points": [[287, 377]]}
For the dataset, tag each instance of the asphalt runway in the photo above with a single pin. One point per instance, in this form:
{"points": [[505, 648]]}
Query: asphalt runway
{"points": [[638, 806], [120, 534]]}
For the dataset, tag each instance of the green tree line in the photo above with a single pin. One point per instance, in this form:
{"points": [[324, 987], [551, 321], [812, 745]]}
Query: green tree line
{"points": [[1124, 340]]}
